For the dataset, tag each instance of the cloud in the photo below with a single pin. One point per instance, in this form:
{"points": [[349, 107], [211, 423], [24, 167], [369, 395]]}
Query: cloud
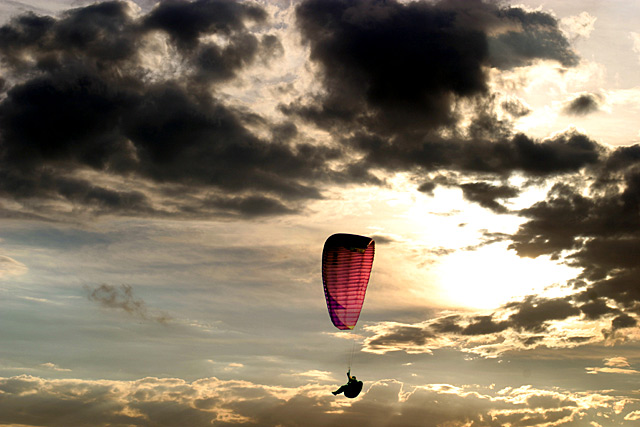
{"points": [[578, 26], [611, 371], [533, 35], [563, 153], [592, 225], [187, 22], [420, 107], [233, 366], [516, 107], [613, 365], [371, 77], [54, 367], [28, 400], [589, 224], [583, 104], [486, 194], [316, 375], [374, 78], [11, 267], [117, 134], [122, 298], [384, 239], [133, 118], [519, 325], [617, 362]]}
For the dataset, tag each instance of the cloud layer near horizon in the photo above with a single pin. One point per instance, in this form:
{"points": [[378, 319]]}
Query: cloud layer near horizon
{"points": [[29, 400]]}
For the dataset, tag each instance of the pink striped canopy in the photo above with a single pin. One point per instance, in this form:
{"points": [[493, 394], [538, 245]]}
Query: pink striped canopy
{"points": [[346, 267]]}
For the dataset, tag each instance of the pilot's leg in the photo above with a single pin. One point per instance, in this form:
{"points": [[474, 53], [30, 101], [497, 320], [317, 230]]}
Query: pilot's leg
{"points": [[340, 390]]}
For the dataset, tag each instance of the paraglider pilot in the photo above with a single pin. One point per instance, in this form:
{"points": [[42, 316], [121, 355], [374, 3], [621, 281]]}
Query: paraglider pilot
{"points": [[351, 389]]}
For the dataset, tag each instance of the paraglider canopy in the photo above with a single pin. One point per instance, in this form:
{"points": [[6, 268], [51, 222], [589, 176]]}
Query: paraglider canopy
{"points": [[346, 267]]}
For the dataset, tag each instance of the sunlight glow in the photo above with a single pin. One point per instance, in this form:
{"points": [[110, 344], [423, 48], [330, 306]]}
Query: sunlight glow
{"points": [[439, 252], [491, 276]]}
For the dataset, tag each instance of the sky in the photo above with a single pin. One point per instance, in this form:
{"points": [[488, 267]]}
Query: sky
{"points": [[169, 172]]}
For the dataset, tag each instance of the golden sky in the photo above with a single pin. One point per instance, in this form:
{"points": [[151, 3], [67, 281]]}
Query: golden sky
{"points": [[169, 172]]}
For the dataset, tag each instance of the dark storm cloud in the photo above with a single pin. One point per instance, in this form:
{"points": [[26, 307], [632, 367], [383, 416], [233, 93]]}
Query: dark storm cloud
{"points": [[393, 74], [564, 153], [399, 67], [402, 334], [623, 321], [185, 21], [78, 98], [180, 138], [516, 108], [391, 63], [251, 206], [583, 105], [535, 35], [601, 226], [21, 33], [47, 184], [100, 32], [486, 194], [483, 325], [427, 187], [383, 240], [122, 298], [596, 309], [533, 315], [623, 158], [599, 231], [447, 324]]}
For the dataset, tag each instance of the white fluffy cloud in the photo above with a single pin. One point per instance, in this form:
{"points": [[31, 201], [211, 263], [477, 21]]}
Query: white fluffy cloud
{"points": [[581, 25]]}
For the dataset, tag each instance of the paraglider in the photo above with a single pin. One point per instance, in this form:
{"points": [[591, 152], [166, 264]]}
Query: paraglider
{"points": [[346, 267], [351, 389]]}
